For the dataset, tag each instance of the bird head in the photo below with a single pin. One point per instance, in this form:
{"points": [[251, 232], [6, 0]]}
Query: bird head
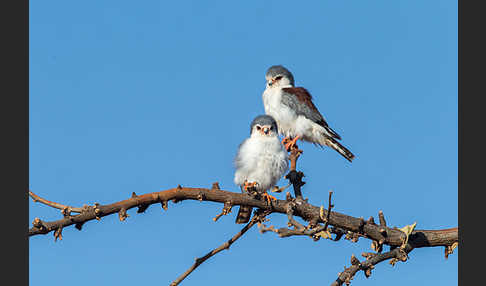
{"points": [[278, 76], [263, 125]]}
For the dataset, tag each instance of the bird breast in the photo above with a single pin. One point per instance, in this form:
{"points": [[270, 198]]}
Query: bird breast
{"points": [[285, 117], [262, 160]]}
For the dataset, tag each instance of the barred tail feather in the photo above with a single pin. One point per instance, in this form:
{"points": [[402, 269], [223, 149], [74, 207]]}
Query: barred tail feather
{"points": [[244, 214], [331, 142]]}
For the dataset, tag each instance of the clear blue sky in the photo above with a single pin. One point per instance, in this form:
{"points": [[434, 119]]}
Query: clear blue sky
{"points": [[128, 96]]}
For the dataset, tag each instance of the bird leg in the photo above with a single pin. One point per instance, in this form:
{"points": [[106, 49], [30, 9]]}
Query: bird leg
{"points": [[268, 198], [250, 186], [285, 140], [292, 143]]}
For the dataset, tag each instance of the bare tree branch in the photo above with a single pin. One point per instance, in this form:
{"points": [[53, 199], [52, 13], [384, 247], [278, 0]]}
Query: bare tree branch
{"points": [[258, 217], [397, 254], [302, 209], [400, 242]]}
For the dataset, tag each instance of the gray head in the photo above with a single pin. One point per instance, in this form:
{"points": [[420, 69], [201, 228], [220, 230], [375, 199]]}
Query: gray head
{"points": [[279, 76], [264, 125]]}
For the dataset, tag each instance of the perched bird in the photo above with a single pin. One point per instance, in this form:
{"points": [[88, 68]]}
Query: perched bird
{"points": [[260, 162], [296, 115]]}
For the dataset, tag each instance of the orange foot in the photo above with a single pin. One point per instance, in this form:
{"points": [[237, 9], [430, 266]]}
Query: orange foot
{"points": [[248, 185], [292, 143], [268, 198], [285, 140]]}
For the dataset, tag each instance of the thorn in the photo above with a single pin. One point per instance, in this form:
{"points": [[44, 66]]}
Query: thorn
{"points": [[58, 234], [450, 249], [66, 212], [371, 220], [377, 246], [226, 210], [368, 255], [142, 208], [354, 260], [122, 214], [37, 223], [79, 225], [179, 187], [97, 213], [200, 196], [215, 186], [134, 195], [368, 272], [381, 217], [164, 205]]}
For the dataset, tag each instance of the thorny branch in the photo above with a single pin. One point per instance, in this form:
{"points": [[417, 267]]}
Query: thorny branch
{"points": [[257, 218], [372, 259], [341, 224]]}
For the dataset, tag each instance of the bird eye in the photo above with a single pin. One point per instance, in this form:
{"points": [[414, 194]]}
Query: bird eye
{"points": [[258, 127], [271, 127], [278, 77]]}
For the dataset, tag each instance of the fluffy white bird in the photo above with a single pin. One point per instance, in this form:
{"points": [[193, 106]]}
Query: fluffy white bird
{"points": [[296, 115], [260, 162]]}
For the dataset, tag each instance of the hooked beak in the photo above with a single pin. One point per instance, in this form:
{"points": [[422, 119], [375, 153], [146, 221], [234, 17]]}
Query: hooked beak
{"points": [[265, 130], [271, 82]]}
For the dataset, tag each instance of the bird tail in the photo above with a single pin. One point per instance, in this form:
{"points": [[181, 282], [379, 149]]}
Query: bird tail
{"points": [[244, 214], [334, 144]]}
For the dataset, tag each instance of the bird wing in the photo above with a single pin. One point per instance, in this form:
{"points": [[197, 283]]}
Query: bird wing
{"points": [[300, 100]]}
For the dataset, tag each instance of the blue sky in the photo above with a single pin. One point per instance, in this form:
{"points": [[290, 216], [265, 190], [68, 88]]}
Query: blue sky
{"points": [[142, 97]]}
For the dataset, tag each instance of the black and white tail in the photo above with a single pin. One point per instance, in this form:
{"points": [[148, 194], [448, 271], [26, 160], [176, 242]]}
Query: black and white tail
{"points": [[244, 214], [334, 144]]}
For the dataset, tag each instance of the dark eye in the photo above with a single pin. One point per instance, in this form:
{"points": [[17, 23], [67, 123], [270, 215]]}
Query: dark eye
{"points": [[271, 127], [278, 77], [258, 127]]}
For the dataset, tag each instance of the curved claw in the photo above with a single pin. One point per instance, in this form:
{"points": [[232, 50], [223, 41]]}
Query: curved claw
{"points": [[292, 143], [249, 185], [285, 140], [268, 198]]}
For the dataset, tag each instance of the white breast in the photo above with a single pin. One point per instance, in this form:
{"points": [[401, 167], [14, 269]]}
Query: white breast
{"points": [[262, 160], [286, 118]]}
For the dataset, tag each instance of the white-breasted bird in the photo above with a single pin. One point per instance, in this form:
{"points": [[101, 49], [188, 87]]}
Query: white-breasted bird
{"points": [[296, 115], [260, 162]]}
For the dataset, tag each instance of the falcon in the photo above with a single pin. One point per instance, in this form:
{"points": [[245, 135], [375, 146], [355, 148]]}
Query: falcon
{"points": [[296, 115], [260, 162]]}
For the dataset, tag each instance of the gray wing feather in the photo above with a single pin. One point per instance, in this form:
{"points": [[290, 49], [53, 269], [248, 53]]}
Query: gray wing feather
{"points": [[300, 108], [305, 107]]}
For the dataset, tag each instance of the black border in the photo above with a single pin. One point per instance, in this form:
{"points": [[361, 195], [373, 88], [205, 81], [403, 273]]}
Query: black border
{"points": [[471, 168], [14, 118]]}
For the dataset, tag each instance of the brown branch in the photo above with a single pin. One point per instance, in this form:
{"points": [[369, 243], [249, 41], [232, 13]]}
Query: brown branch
{"points": [[294, 176], [341, 224], [304, 210], [63, 208], [258, 217], [372, 259], [330, 206]]}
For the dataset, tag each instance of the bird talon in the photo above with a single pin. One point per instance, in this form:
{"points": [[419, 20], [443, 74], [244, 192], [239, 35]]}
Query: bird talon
{"points": [[268, 198], [249, 185], [285, 140], [291, 144]]}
